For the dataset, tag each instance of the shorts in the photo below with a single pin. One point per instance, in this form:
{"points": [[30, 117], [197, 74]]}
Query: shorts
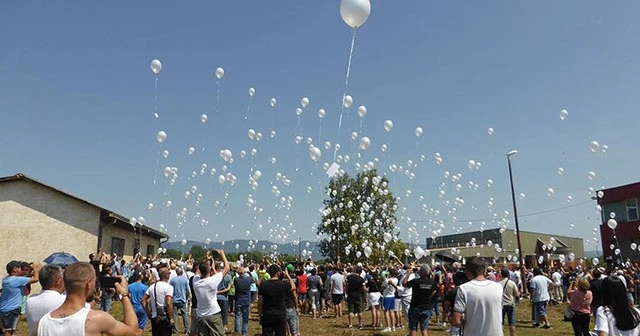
{"points": [[314, 298], [336, 298], [354, 305], [302, 297], [421, 315], [389, 303], [142, 316], [374, 299], [292, 320], [510, 311], [194, 320], [10, 319], [540, 308], [254, 296], [405, 303], [398, 305]]}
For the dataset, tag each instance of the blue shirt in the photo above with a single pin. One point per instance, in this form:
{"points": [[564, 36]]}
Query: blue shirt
{"points": [[180, 285], [224, 284], [137, 290], [243, 289], [254, 287], [11, 297]]}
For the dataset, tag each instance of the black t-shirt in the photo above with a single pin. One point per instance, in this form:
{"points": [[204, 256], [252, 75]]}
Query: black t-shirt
{"points": [[595, 286], [289, 298], [96, 266], [354, 286], [421, 292], [273, 294], [374, 285], [194, 299]]}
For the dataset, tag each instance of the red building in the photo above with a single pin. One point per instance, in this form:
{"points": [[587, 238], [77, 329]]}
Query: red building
{"points": [[621, 202]]}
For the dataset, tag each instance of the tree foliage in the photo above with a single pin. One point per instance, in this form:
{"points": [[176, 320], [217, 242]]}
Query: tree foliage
{"points": [[357, 212]]}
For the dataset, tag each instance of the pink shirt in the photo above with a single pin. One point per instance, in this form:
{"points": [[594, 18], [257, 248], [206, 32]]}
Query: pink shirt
{"points": [[581, 302]]}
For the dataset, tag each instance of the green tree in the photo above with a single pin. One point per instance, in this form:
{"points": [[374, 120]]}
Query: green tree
{"points": [[198, 253], [173, 253], [359, 212]]}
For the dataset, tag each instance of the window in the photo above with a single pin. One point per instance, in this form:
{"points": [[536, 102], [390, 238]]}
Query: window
{"points": [[117, 246], [151, 250], [632, 209]]}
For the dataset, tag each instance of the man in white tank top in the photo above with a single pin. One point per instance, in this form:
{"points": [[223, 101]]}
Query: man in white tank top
{"points": [[74, 318]]}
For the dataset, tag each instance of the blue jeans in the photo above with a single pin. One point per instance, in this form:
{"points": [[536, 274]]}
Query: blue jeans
{"points": [[292, 320], [224, 306], [242, 315], [180, 309], [105, 304], [422, 315]]}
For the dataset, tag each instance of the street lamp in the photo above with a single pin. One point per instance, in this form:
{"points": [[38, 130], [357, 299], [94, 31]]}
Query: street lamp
{"points": [[515, 214]]}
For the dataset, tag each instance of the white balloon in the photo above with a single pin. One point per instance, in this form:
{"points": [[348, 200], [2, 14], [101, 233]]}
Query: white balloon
{"points": [[367, 251], [595, 261], [490, 131], [165, 153], [315, 153], [612, 224], [191, 150], [418, 252], [304, 102], [550, 192], [594, 146], [161, 136], [358, 254], [133, 221], [364, 143], [251, 133], [298, 111], [221, 179], [252, 92], [183, 242], [347, 101], [419, 131], [321, 113], [388, 125], [273, 102], [387, 237], [564, 114], [219, 73], [362, 111], [355, 12], [156, 66], [203, 118]]}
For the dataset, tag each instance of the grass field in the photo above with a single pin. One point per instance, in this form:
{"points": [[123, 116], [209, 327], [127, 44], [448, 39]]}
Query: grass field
{"points": [[333, 327]]}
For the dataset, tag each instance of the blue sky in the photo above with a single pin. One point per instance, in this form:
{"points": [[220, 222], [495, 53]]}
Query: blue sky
{"points": [[77, 100]]}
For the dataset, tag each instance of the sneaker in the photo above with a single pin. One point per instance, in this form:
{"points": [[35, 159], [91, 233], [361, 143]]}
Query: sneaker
{"points": [[386, 330], [360, 326], [350, 327], [393, 329], [547, 326]]}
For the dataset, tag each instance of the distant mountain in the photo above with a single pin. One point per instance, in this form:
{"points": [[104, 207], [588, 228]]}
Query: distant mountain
{"points": [[242, 245]]}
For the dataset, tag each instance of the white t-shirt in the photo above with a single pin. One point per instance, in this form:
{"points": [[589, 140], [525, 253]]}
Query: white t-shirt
{"points": [[481, 303], [40, 304], [404, 291], [163, 289], [206, 291], [557, 278], [337, 282], [607, 323], [389, 290], [515, 277], [541, 285]]}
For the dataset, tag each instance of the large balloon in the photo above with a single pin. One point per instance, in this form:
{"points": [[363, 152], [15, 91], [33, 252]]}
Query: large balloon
{"points": [[355, 12], [364, 143], [347, 101], [156, 66], [362, 111], [161, 136], [367, 251], [388, 125], [612, 224], [387, 237], [315, 153], [219, 73], [418, 252], [419, 131]]}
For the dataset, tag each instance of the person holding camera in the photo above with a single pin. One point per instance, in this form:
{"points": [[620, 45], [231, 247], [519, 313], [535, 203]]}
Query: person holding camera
{"points": [[209, 320], [72, 317], [159, 302]]}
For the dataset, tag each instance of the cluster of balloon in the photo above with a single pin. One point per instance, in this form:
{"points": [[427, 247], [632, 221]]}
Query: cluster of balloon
{"points": [[354, 13]]}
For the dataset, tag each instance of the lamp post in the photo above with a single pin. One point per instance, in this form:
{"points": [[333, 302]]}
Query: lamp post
{"points": [[515, 214]]}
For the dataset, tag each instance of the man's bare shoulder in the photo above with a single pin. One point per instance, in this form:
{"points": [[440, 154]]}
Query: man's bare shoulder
{"points": [[97, 322]]}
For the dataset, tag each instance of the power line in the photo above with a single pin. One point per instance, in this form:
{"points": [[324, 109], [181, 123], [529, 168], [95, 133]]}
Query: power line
{"points": [[525, 215]]}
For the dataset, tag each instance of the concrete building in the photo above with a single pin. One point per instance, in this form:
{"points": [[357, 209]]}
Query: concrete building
{"points": [[483, 244], [621, 201], [37, 219]]}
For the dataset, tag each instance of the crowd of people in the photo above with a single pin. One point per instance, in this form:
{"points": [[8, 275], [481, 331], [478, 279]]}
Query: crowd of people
{"points": [[199, 297]]}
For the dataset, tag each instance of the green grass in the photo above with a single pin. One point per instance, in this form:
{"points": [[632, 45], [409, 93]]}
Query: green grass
{"points": [[330, 326]]}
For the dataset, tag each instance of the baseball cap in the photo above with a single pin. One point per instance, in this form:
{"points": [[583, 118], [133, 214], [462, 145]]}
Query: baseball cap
{"points": [[290, 267]]}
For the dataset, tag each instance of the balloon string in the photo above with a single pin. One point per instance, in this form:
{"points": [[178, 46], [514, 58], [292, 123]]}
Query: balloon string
{"points": [[155, 174], [246, 116], [155, 112], [346, 81], [320, 132], [218, 97]]}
